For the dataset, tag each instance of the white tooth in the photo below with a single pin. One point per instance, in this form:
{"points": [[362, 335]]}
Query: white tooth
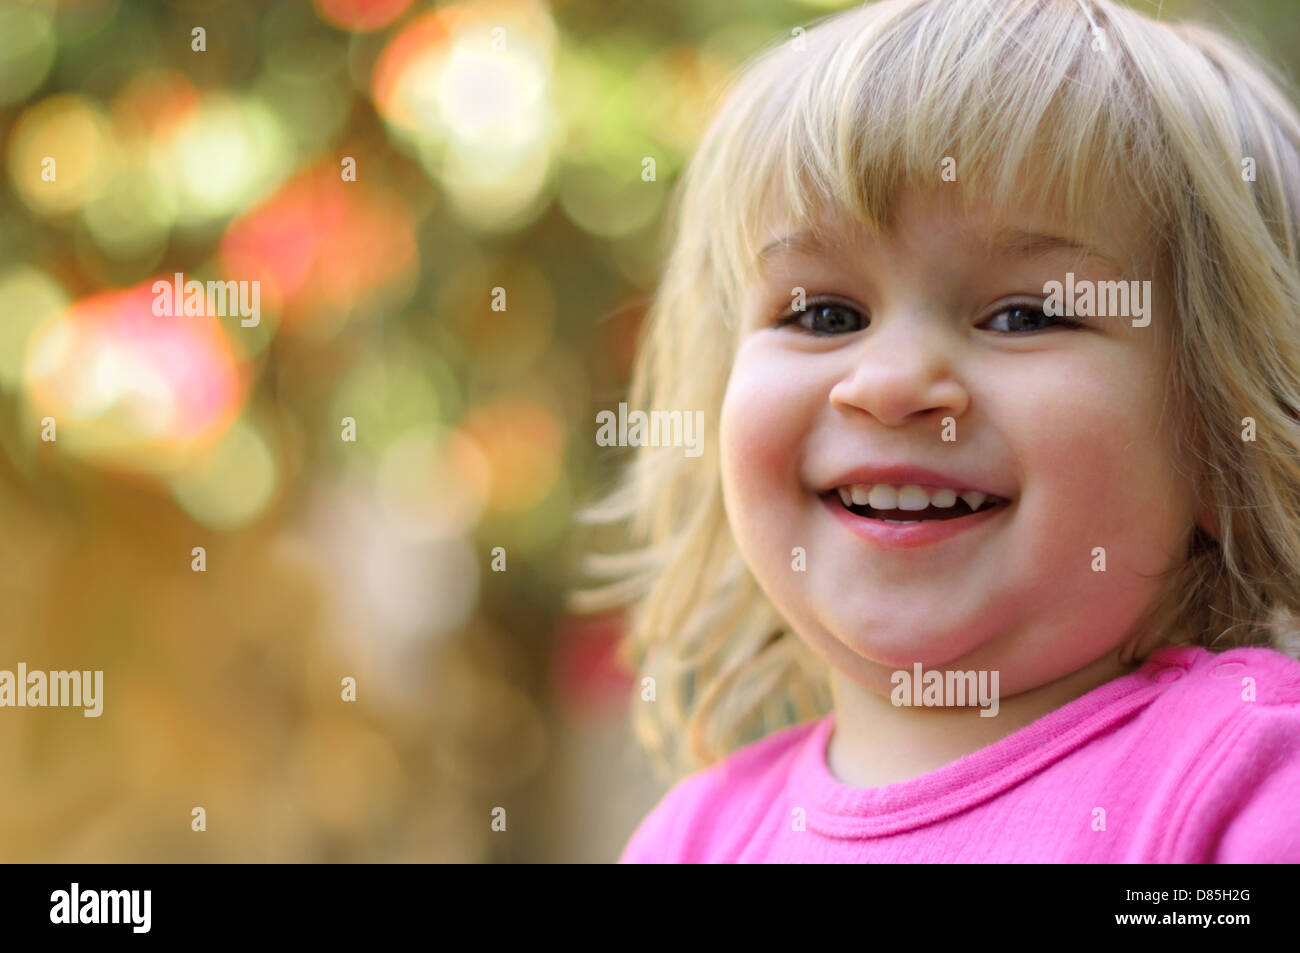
{"points": [[883, 497], [944, 498], [974, 498], [845, 496], [860, 494], [912, 497]]}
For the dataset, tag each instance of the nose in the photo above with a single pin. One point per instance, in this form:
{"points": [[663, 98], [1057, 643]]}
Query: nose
{"points": [[905, 368]]}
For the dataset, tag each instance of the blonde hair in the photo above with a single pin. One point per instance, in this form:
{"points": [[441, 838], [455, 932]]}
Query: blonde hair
{"points": [[1083, 94]]}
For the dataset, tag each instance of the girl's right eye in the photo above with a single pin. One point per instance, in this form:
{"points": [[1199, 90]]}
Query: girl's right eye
{"points": [[825, 317]]}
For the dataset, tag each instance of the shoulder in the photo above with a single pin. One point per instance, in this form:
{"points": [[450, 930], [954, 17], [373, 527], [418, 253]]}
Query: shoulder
{"points": [[1243, 698], [1240, 712], [701, 807], [1225, 681]]}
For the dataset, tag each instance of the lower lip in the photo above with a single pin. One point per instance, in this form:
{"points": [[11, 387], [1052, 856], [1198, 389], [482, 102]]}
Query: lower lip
{"points": [[909, 535]]}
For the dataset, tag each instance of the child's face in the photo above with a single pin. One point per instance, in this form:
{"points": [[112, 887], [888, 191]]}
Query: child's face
{"points": [[922, 336]]}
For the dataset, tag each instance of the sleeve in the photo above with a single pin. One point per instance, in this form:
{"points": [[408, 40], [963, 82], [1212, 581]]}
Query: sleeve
{"points": [[1257, 791]]}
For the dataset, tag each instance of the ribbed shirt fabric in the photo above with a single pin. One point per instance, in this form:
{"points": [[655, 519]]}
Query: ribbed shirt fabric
{"points": [[1193, 758]]}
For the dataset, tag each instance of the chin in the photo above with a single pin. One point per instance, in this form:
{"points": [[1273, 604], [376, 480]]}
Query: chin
{"points": [[932, 648]]}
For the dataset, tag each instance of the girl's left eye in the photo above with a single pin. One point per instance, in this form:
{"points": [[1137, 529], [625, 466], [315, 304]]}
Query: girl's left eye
{"points": [[825, 317], [1022, 318]]}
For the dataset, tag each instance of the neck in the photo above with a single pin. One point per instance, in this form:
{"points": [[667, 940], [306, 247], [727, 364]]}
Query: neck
{"points": [[876, 743]]}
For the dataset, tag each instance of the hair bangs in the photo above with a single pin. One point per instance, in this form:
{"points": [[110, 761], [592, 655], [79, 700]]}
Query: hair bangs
{"points": [[1019, 105]]}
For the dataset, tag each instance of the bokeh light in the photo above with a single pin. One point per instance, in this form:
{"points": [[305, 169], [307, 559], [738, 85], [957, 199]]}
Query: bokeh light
{"points": [[61, 154], [221, 158], [27, 44], [232, 483], [469, 89], [31, 296], [131, 389], [325, 250], [521, 442], [432, 484], [360, 15]]}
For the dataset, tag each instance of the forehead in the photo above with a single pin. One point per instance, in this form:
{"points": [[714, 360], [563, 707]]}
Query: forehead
{"points": [[1118, 239]]}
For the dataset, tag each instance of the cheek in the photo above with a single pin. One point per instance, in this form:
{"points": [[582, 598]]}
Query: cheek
{"points": [[767, 413], [1098, 466]]}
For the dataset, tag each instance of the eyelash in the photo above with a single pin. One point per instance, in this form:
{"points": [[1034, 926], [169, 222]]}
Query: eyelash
{"points": [[792, 320]]}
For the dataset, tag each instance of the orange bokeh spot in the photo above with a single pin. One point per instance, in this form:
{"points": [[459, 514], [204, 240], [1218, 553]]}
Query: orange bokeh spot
{"points": [[421, 37], [321, 246], [154, 103], [522, 443], [360, 16]]}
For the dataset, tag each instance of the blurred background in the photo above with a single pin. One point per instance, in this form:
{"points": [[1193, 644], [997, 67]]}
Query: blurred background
{"points": [[447, 210]]}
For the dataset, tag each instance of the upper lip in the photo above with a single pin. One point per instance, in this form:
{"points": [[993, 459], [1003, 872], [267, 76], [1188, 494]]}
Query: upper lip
{"points": [[904, 474]]}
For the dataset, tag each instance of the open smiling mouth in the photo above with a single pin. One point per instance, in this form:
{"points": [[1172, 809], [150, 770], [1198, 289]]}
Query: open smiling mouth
{"points": [[911, 503]]}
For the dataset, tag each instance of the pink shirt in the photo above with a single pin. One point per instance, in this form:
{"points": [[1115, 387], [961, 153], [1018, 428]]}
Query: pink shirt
{"points": [[1167, 764]]}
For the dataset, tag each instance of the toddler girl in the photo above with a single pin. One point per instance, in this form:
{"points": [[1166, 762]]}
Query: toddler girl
{"points": [[992, 551]]}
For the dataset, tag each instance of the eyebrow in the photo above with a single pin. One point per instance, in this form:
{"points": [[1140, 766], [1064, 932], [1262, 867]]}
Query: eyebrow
{"points": [[1035, 244], [1012, 241], [799, 241]]}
